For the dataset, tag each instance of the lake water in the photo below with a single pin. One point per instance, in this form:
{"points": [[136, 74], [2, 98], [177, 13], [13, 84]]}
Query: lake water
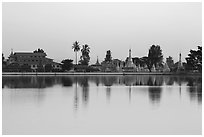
{"points": [[139, 104]]}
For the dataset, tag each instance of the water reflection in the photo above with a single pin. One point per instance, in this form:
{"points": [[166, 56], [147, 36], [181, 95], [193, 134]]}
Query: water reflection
{"points": [[108, 92], [154, 84], [76, 100], [195, 88], [83, 82], [66, 81], [155, 94]]}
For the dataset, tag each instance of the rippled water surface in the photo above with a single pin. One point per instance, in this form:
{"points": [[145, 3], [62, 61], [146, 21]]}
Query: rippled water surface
{"points": [[101, 104]]}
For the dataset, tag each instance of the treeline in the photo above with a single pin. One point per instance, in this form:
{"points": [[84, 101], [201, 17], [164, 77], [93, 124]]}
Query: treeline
{"points": [[153, 59]]}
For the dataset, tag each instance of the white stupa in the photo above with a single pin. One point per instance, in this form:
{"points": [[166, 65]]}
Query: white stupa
{"points": [[129, 63], [153, 69], [166, 68]]}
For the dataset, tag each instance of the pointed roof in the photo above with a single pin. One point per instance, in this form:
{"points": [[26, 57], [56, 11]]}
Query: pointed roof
{"points": [[97, 62]]}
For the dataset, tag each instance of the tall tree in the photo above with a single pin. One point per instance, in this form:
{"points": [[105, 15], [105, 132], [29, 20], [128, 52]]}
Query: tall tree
{"points": [[155, 56], [108, 56], [194, 60], [85, 55], [76, 48]]}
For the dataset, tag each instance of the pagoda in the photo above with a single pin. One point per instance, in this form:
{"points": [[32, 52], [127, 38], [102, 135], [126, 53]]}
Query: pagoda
{"points": [[129, 66]]}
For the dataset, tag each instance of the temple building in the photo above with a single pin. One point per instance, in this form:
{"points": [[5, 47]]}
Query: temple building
{"points": [[33, 59], [97, 65], [119, 64]]}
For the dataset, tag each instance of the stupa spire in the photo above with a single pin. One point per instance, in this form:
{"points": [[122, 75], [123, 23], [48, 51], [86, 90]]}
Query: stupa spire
{"points": [[97, 62]]}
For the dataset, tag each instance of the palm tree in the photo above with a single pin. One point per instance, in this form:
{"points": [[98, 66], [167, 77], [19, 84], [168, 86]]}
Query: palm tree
{"points": [[85, 54], [76, 48], [85, 49]]}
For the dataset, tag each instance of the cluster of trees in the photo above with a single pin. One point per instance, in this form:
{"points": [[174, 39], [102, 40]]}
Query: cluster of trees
{"points": [[67, 64], [194, 60], [154, 57], [108, 57], [85, 50]]}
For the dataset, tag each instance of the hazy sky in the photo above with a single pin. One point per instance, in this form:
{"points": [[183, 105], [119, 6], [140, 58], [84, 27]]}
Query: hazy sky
{"points": [[176, 27]]}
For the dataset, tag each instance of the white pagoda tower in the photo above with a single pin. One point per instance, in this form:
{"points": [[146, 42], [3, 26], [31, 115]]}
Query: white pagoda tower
{"points": [[129, 63]]}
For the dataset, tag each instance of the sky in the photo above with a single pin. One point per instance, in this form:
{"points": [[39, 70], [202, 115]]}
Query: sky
{"points": [[176, 27]]}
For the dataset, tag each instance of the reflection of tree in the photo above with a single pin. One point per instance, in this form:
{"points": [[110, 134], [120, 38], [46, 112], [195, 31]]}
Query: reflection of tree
{"points": [[83, 82], [150, 81], [195, 88], [108, 92], [155, 94], [76, 100], [169, 80], [109, 80], [159, 81], [95, 79], [66, 81]]}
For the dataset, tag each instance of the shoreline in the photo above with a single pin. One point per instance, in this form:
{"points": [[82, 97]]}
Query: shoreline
{"points": [[96, 73]]}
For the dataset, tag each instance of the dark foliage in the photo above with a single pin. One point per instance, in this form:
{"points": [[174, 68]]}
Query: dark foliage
{"points": [[67, 64], [194, 60], [108, 56], [155, 56], [84, 59]]}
